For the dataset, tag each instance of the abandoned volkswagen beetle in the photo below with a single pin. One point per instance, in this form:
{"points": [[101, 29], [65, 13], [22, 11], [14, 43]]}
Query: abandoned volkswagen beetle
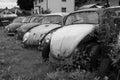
{"points": [[35, 21], [11, 28], [86, 39], [49, 22], [16, 22]]}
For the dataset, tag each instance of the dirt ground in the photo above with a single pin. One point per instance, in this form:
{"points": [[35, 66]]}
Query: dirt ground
{"points": [[17, 63]]}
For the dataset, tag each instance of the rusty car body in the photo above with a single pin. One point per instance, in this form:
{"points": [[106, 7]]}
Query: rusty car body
{"points": [[77, 29], [11, 28], [49, 22], [35, 21], [87, 41]]}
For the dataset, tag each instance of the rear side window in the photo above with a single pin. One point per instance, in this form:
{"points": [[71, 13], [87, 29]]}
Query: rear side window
{"points": [[118, 12], [113, 12]]}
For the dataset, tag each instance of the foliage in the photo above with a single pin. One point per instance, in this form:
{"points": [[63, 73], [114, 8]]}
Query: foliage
{"points": [[46, 11], [108, 37], [25, 4], [26, 13], [79, 2], [76, 75]]}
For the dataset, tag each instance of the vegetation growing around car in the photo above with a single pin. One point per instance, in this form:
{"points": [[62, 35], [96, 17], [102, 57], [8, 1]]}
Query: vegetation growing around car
{"points": [[107, 35]]}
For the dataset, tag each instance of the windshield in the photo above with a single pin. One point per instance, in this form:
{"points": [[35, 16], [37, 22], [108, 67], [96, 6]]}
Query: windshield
{"points": [[19, 19], [56, 19], [32, 19], [37, 19], [86, 17], [27, 19]]}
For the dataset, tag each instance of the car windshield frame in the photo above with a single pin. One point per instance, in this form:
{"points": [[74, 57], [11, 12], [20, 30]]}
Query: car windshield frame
{"points": [[80, 18], [46, 20], [26, 20], [18, 20], [37, 19]]}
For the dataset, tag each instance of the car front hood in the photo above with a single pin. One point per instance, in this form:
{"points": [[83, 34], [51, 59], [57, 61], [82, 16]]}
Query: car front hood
{"points": [[44, 28], [65, 40], [37, 33], [14, 25], [28, 26]]}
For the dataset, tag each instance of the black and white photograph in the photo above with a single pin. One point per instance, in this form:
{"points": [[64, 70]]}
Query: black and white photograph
{"points": [[59, 39]]}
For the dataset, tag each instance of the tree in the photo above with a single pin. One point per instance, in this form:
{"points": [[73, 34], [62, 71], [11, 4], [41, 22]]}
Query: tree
{"points": [[46, 11], [25, 4], [79, 2]]}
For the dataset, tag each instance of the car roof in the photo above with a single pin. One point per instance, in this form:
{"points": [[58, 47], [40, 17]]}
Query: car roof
{"points": [[20, 17], [35, 15], [60, 14], [89, 9], [113, 7]]}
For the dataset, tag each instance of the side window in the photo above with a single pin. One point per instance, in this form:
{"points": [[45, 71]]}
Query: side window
{"points": [[112, 13], [117, 13], [108, 18], [107, 15]]}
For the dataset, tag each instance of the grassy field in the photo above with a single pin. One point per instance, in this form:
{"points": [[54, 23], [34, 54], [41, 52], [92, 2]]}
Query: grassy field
{"points": [[17, 63]]}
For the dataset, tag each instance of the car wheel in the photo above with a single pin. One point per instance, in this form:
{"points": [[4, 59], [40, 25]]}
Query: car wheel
{"points": [[45, 51]]}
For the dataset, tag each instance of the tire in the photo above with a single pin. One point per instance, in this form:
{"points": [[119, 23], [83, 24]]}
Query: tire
{"points": [[45, 51]]}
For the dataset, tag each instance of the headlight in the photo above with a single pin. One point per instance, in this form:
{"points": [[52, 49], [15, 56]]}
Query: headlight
{"points": [[48, 37], [25, 37], [7, 29]]}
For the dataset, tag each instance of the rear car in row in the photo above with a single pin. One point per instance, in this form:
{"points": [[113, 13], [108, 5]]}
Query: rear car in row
{"points": [[35, 21], [11, 28]]}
